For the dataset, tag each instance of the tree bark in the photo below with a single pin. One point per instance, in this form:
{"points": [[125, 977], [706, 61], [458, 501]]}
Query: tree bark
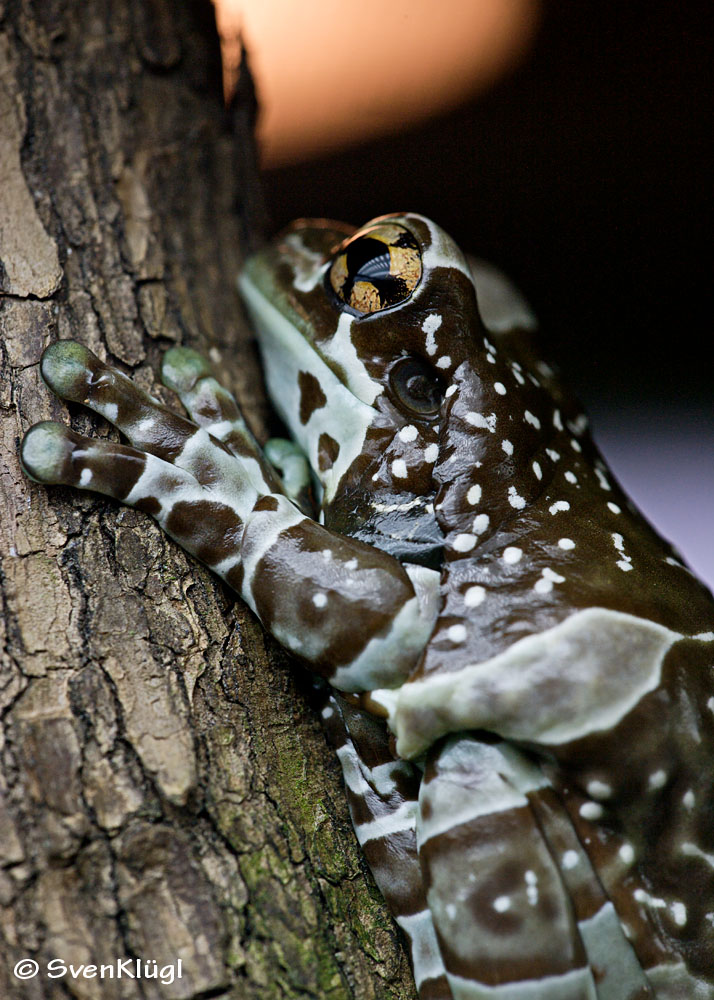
{"points": [[165, 789]]}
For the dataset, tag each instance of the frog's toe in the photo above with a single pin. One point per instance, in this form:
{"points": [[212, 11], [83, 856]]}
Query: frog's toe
{"points": [[67, 368], [290, 461], [182, 368], [207, 402], [46, 453], [212, 407], [53, 454]]}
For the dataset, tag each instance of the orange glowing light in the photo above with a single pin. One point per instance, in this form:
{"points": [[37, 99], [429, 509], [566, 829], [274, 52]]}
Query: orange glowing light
{"points": [[331, 73]]}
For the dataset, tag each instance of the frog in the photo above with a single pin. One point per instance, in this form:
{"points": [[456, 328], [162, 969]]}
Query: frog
{"points": [[517, 669]]}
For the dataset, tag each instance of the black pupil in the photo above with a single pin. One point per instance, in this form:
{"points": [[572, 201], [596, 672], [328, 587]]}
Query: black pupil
{"points": [[416, 386], [369, 260]]}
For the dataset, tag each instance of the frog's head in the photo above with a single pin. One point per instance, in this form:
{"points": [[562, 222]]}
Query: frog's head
{"points": [[365, 336]]}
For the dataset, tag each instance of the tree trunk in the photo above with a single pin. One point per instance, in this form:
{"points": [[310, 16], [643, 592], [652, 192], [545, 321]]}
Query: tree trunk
{"points": [[166, 792]]}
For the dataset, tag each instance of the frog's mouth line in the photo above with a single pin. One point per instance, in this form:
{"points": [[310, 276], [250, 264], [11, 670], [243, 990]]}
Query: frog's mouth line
{"points": [[405, 529]]}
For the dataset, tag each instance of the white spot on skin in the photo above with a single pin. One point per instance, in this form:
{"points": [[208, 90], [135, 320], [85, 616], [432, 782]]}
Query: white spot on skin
{"points": [[408, 433], [450, 911], [327, 712], [548, 578], [430, 325], [602, 478], [474, 495], [500, 388], [507, 446], [111, 412], [450, 391], [599, 789], [570, 860], [688, 799], [86, 477], [327, 554], [625, 564], [464, 542], [627, 854], [319, 599], [692, 851], [514, 499], [675, 562], [474, 596], [571, 477], [566, 543], [351, 564], [591, 810], [559, 505], [532, 887], [537, 470], [444, 362], [575, 445], [456, 634], [431, 452], [679, 914], [657, 780], [480, 524], [512, 554], [554, 456], [530, 418], [557, 422], [478, 420], [502, 903], [399, 468], [613, 507]]}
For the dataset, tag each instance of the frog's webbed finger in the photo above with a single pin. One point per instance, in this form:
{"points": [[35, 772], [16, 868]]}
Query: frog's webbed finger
{"points": [[213, 407], [55, 455], [292, 464], [74, 373], [207, 528]]}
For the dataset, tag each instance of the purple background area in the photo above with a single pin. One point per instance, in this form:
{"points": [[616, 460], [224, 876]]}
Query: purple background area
{"points": [[664, 459]]}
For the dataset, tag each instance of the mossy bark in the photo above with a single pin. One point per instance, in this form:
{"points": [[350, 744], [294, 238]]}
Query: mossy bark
{"points": [[165, 789]]}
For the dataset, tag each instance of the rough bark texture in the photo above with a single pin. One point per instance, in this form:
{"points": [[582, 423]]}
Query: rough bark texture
{"points": [[165, 789]]}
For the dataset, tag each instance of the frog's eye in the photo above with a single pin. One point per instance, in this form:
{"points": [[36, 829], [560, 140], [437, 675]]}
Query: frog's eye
{"points": [[376, 268], [415, 387]]}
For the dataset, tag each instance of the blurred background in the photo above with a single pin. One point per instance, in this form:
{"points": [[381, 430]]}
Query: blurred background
{"points": [[567, 142]]}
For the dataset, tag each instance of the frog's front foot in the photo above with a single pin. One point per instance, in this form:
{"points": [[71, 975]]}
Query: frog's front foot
{"points": [[209, 487], [199, 486]]}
